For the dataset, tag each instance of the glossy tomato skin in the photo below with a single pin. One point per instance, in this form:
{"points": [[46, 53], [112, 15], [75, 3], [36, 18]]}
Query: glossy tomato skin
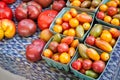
{"points": [[9, 1], [5, 11], [34, 50], [45, 18], [29, 10]]}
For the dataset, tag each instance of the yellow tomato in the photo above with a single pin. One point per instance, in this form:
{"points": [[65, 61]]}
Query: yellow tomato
{"points": [[86, 26], [115, 22], [76, 3], [107, 19], [73, 22], [103, 7], [66, 17], [65, 32], [75, 43], [105, 56], [73, 12], [71, 32], [57, 28], [58, 21], [64, 58]]}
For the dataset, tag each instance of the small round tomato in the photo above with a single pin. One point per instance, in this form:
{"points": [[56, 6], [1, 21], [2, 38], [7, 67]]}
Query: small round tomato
{"points": [[112, 42], [66, 17], [107, 19], [65, 32], [71, 51], [64, 58], [58, 21], [71, 32], [103, 8], [86, 26], [76, 3], [73, 12], [65, 25], [115, 22], [73, 22], [105, 56], [47, 53], [57, 28], [111, 4], [56, 56]]}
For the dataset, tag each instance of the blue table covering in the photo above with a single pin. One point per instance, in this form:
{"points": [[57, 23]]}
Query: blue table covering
{"points": [[12, 58]]}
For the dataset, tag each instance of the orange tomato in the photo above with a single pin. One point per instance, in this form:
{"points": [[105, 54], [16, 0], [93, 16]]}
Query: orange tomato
{"points": [[112, 4], [66, 17], [86, 26], [47, 53], [75, 43], [112, 42], [76, 3], [71, 51], [103, 7], [73, 12], [71, 32], [105, 56], [64, 58], [73, 22], [106, 36], [56, 57], [58, 21], [115, 22], [107, 19], [57, 28]]}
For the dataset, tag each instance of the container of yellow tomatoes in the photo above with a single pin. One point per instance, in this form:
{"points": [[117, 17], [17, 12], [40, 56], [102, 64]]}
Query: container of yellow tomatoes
{"points": [[59, 51], [72, 22]]}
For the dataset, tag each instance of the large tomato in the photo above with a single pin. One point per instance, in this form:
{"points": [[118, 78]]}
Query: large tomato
{"points": [[45, 18], [9, 1], [5, 11]]}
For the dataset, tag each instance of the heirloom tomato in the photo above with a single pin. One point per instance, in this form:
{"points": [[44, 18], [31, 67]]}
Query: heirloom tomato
{"points": [[5, 11], [45, 18]]}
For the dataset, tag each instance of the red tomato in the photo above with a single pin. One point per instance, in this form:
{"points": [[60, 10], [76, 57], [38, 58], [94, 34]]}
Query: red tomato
{"points": [[5, 11], [9, 1], [45, 18]]}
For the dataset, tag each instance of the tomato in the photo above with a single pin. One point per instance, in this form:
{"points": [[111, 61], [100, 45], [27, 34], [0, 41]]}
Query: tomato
{"points": [[107, 19], [34, 50], [7, 28], [76, 3], [65, 25], [111, 4], [57, 28], [71, 32], [103, 7], [5, 11], [77, 65], [73, 12], [64, 58], [68, 40], [45, 18], [73, 22], [105, 56], [56, 56], [115, 22], [75, 43], [62, 47], [87, 64], [48, 53], [66, 17], [58, 21], [86, 26], [71, 51], [9, 1]]}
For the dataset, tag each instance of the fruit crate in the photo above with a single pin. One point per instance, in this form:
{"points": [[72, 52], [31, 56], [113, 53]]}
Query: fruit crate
{"points": [[104, 28], [61, 14], [54, 63], [84, 9], [103, 22], [85, 77]]}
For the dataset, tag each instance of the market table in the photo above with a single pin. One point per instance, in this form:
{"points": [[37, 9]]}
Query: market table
{"points": [[12, 58]]}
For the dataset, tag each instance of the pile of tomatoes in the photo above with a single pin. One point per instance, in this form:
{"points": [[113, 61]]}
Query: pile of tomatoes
{"points": [[73, 23], [109, 12], [61, 49]]}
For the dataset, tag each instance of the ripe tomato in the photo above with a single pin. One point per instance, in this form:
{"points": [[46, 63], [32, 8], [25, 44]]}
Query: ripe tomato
{"points": [[115, 22], [105, 56], [73, 12], [111, 4], [67, 16], [57, 28], [56, 56], [9, 1], [58, 21], [65, 58], [103, 7], [107, 19], [5, 11], [45, 18], [71, 32], [73, 22], [76, 3], [47, 53]]}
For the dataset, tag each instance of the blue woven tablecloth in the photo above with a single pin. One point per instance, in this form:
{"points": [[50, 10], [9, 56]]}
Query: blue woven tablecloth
{"points": [[12, 58]]}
